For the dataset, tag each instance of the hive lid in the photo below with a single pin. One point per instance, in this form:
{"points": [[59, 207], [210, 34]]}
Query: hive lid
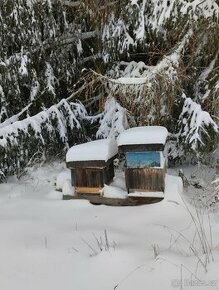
{"points": [[143, 135], [103, 149]]}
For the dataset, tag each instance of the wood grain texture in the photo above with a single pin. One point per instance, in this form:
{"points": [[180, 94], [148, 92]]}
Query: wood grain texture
{"points": [[92, 177], [90, 163], [80, 191], [141, 148], [145, 179], [129, 201]]}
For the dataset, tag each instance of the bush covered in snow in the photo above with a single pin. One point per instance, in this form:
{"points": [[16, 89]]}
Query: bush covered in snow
{"points": [[46, 134]]}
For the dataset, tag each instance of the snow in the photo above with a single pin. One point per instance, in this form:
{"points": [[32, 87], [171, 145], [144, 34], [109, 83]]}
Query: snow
{"points": [[199, 120], [135, 83], [9, 132], [147, 194], [117, 188], [134, 2], [67, 188], [102, 149], [143, 135], [50, 78], [208, 70], [114, 120], [162, 160], [48, 243], [155, 15], [114, 192], [131, 81], [23, 67], [34, 89], [79, 47], [61, 179]]}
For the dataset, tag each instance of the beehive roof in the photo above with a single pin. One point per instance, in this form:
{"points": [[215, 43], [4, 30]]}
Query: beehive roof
{"points": [[103, 149], [143, 135]]}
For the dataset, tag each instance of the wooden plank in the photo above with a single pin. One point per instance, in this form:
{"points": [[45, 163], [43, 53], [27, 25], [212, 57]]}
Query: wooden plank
{"points": [[108, 173], [88, 177], [90, 163], [141, 148], [86, 164], [129, 201], [143, 190], [145, 179], [73, 177], [87, 191]]}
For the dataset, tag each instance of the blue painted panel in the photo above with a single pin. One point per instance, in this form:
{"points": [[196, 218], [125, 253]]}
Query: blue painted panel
{"points": [[143, 159]]}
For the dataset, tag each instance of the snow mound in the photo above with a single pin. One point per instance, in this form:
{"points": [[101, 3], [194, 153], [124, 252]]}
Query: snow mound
{"points": [[54, 194], [67, 188], [103, 149], [61, 179], [63, 184], [143, 135], [114, 192]]}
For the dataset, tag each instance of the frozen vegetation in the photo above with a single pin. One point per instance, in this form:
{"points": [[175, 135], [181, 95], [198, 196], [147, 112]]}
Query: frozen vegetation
{"points": [[157, 65], [72, 72]]}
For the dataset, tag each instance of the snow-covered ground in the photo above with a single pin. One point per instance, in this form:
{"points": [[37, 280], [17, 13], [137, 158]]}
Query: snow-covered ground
{"points": [[47, 243]]}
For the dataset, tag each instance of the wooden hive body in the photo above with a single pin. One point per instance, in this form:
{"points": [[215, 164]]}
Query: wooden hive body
{"points": [[145, 165], [89, 177], [92, 165]]}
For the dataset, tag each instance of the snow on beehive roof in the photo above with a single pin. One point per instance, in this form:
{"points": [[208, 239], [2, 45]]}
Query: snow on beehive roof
{"points": [[103, 149], [143, 135]]}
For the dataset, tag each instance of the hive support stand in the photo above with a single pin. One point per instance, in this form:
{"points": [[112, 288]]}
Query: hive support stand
{"points": [[129, 201]]}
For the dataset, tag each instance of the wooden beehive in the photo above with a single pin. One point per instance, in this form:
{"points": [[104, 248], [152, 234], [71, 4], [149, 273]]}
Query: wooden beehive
{"points": [[145, 165], [92, 165]]}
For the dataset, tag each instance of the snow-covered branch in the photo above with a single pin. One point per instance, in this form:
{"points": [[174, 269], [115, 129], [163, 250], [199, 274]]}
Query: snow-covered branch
{"points": [[114, 120], [50, 131], [197, 129]]}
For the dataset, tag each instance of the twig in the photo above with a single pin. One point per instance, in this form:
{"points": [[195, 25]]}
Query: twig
{"points": [[195, 253], [81, 89], [93, 250], [128, 275], [106, 240], [181, 265]]}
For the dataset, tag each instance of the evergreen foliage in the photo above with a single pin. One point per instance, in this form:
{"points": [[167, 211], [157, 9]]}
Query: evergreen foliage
{"points": [[155, 50], [198, 131], [36, 66], [147, 55], [47, 134], [114, 120]]}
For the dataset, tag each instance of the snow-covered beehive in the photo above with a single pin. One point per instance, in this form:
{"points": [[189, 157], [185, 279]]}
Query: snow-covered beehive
{"points": [[145, 165], [91, 165]]}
